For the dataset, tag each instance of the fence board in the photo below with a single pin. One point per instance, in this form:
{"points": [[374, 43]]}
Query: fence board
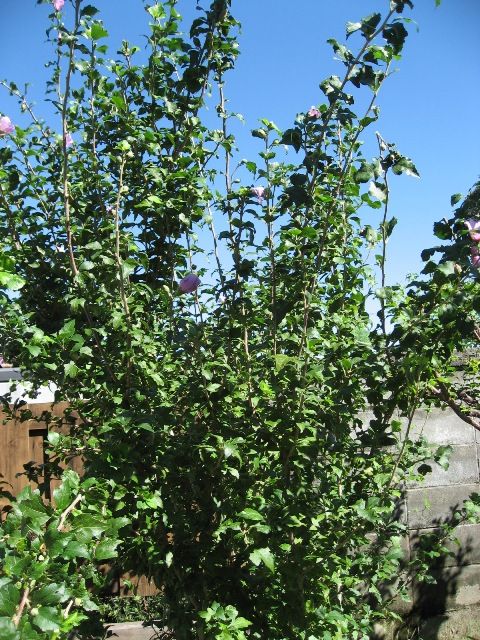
{"points": [[24, 442]]}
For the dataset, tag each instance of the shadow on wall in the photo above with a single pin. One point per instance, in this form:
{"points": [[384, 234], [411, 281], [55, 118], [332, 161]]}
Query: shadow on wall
{"points": [[439, 609]]}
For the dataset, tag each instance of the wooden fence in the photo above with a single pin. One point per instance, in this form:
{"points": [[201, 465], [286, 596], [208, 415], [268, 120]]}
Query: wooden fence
{"points": [[23, 444]]}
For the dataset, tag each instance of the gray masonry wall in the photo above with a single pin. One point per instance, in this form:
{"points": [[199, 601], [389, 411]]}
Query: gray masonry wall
{"points": [[432, 503]]}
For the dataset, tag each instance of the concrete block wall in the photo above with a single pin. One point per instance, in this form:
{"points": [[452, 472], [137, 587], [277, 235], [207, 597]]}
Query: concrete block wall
{"points": [[432, 503]]}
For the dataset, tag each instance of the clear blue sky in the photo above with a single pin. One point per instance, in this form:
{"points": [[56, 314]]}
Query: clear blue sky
{"points": [[430, 108]]}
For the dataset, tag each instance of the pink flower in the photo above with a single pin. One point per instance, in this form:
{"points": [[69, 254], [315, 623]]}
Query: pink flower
{"points": [[6, 125], [313, 112], [58, 4], [259, 192], [189, 284], [473, 227], [68, 140], [475, 259]]}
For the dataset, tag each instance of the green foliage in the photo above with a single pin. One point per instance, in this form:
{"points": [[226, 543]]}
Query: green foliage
{"points": [[224, 623], [228, 425], [47, 558]]}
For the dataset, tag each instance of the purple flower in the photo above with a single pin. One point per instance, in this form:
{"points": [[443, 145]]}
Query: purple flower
{"points": [[58, 4], [475, 259], [68, 140], [259, 192], [313, 112], [6, 125], [189, 284], [473, 227]]}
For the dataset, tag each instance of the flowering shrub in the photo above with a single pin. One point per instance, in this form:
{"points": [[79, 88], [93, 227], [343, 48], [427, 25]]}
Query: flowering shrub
{"points": [[227, 425]]}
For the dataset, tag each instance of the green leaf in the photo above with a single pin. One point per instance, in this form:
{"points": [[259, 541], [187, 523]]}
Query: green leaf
{"points": [[11, 281], [106, 549], [34, 350], [352, 27], [8, 630], [455, 198], [406, 166], [86, 265], [395, 34], [65, 493], [48, 619], [377, 190], [259, 133], [96, 32], [49, 594], [9, 599], [281, 361], [292, 137], [364, 173], [67, 331], [447, 268], [442, 456], [263, 555], [95, 246], [76, 549], [146, 426], [369, 24], [89, 11], [156, 11], [119, 102], [71, 370], [33, 509], [53, 438], [251, 514], [87, 526]]}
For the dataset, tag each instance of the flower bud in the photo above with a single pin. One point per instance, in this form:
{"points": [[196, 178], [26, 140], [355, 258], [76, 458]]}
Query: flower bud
{"points": [[6, 126], [189, 284], [259, 192], [473, 227]]}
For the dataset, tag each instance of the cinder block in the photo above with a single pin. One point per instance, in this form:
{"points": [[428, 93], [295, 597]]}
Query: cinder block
{"points": [[463, 469], [465, 547], [432, 506], [460, 624], [456, 587], [441, 426], [438, 426]]}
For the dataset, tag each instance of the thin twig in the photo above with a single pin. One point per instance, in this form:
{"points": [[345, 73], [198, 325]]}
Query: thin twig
{"points": [[27, 107], [68, 511], [404, 444], [346, 78], [17, 617], [11, 219], [67, 608]]}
